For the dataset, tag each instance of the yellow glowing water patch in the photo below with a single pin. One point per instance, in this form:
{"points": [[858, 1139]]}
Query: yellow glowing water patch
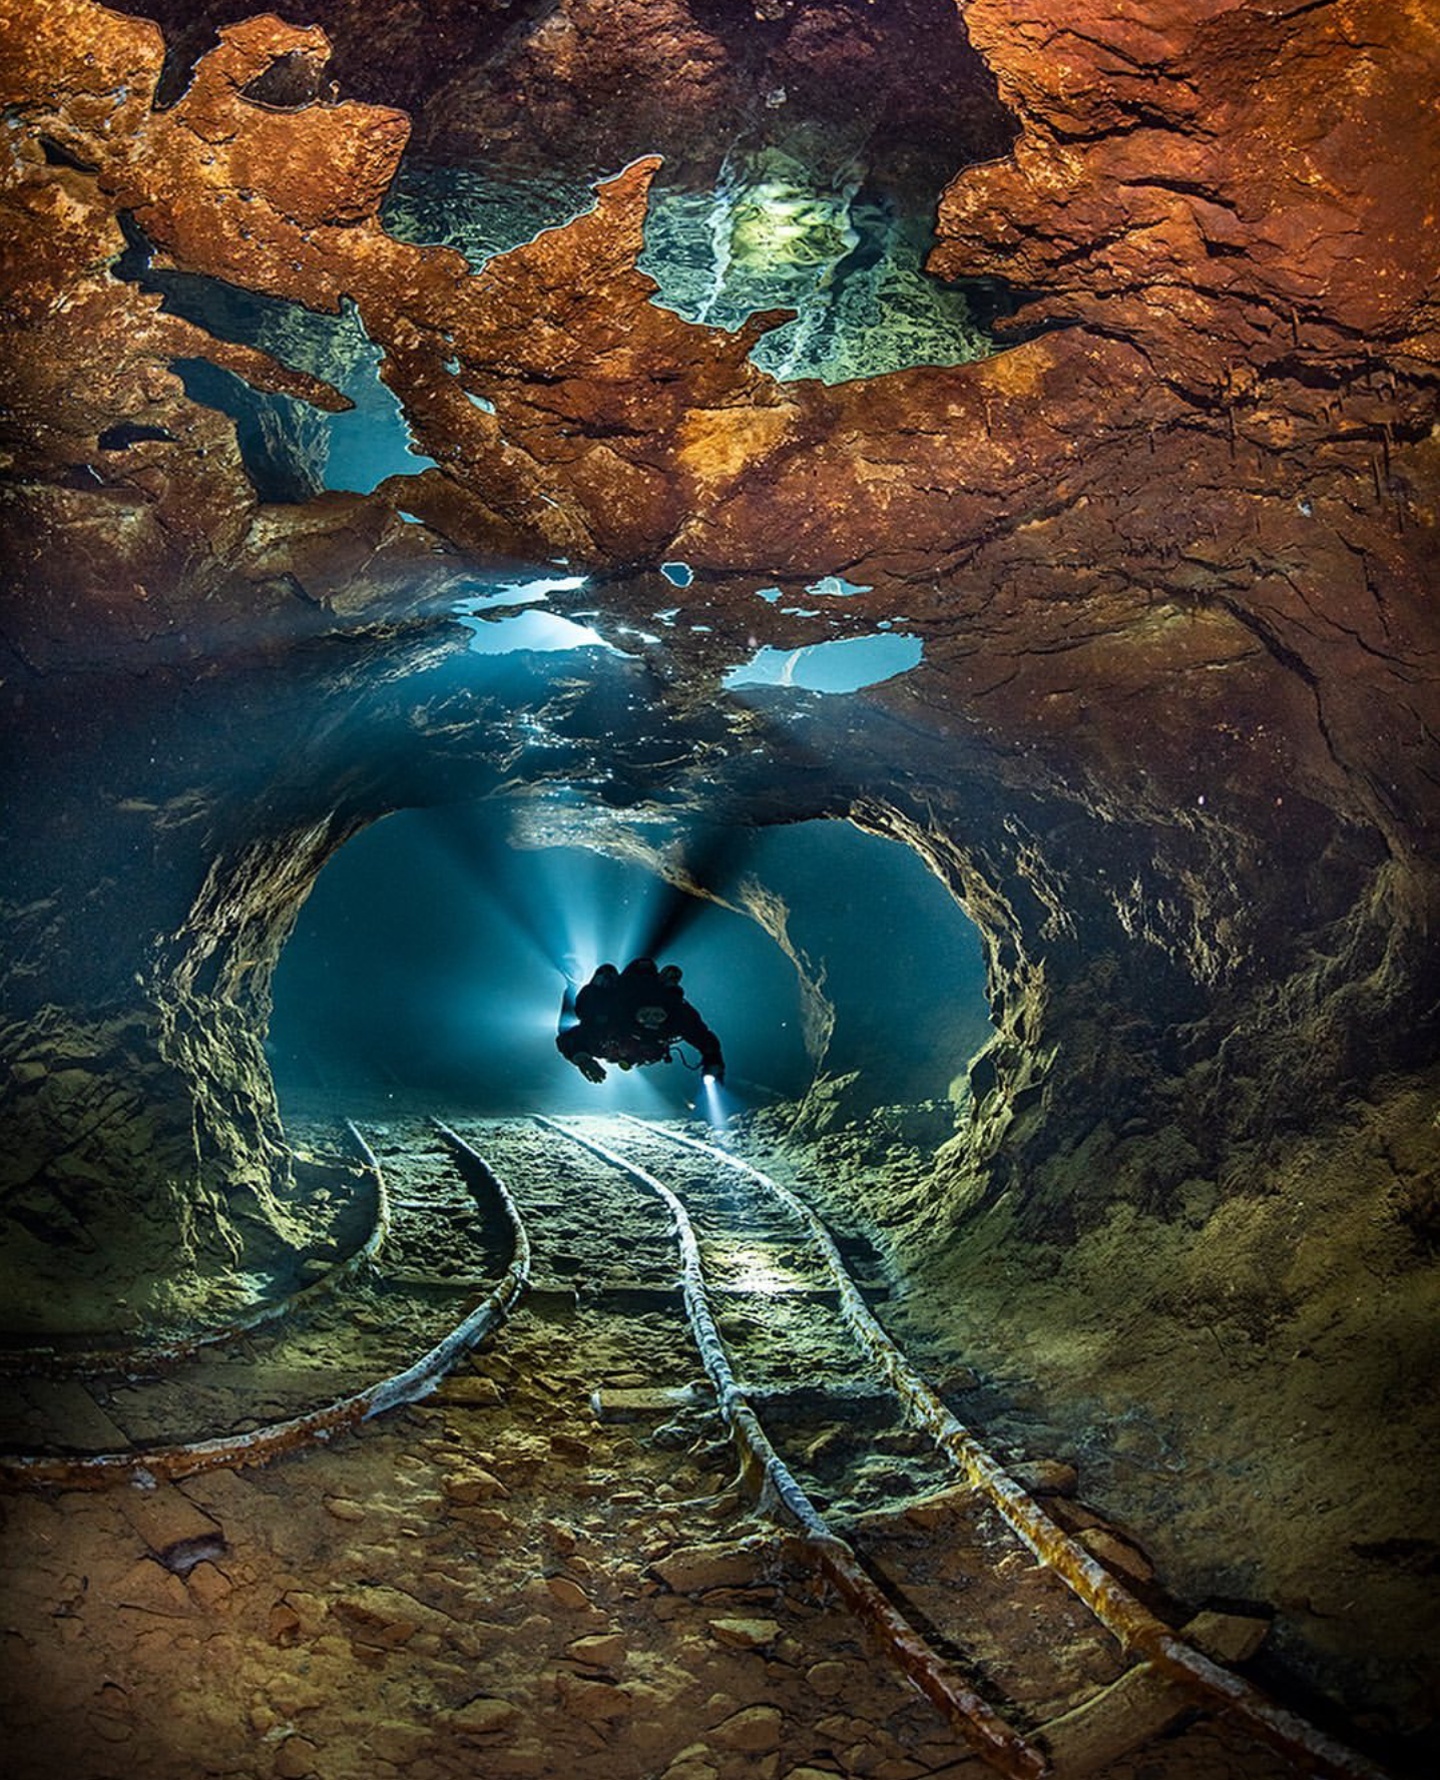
{"points": [[774, 223]]}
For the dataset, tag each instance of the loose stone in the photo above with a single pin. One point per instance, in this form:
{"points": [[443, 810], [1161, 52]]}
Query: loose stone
{"points": [[1117, 1554], [483, 1717], [595, 1701], [295, 1759], [694, 1762], [567, 1594], [154, 1590], [755, 1731], [745, 1634], [603, 1650], [694, 1568], [209, 1586], [829, 1680], [1047, 1477], [470, 1391], [465, 1488]]}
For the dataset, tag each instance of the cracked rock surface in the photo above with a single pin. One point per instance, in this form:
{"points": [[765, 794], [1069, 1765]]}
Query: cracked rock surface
{"points": [[1167, 555]]}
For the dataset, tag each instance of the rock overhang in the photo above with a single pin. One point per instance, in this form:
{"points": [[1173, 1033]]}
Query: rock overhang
{"points": [[1166, 564], [1171, 740]]}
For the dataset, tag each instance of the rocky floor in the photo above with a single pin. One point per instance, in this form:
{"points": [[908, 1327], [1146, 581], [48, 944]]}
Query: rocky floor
{"points": [[489, 1583], [1250, 1386]]}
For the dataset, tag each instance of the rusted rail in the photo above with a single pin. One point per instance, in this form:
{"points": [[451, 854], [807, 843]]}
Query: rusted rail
{"points": [[260, 1445], [780, 1495], [136, 1362], [1139, 1631]]}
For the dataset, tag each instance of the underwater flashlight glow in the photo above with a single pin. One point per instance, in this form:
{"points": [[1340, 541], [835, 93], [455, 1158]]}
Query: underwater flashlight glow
{"points": [[710, 1102]]}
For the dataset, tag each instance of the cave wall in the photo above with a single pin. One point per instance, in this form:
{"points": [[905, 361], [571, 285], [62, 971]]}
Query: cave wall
{"points": [[1170, 554], [580, 86]]}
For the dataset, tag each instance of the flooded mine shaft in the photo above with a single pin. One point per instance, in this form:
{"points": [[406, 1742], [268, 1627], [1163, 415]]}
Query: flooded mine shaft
{"points": [[919, 522]]}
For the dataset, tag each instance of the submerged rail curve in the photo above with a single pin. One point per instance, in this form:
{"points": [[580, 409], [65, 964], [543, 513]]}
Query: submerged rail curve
{"points": [[1139, 1630], [154, 1356], [259, 1445]]}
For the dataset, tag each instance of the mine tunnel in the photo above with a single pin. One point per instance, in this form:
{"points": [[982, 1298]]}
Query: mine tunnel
{"points": [[435, 957], [920, 517]]}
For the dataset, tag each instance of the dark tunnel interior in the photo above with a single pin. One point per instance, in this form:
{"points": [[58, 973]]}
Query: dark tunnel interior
{"points": [[431, 958]]}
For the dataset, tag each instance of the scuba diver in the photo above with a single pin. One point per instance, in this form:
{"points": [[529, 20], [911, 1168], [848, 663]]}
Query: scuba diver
{"points": [[634, 1016]]}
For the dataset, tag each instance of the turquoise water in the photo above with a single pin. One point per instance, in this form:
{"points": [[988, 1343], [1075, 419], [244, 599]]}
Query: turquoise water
{"points": [[768, 235]]}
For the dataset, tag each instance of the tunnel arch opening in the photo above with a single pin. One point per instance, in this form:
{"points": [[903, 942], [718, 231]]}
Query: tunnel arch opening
{"points": [[433, 957]]}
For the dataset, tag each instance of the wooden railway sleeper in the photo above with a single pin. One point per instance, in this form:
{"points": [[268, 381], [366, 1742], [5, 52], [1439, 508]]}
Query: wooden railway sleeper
{"points": [[1139, 1630], [260, 1445], [779, 1495]]}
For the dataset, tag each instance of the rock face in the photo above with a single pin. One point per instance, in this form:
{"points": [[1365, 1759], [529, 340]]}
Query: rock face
{"points": [[585, 87], [1169, 556]]}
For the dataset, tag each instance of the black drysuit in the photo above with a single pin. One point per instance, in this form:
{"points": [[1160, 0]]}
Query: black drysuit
{"points": [[634, 1017]]}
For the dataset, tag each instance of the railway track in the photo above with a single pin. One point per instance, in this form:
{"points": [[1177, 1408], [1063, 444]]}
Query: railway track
{"points": [[1038, 1655], [445, 1258], [742, 1316]]}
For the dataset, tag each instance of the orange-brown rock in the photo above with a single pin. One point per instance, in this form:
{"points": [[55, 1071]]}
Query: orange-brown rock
{"points": [[1237, 188], [1191, 436], [1170, 553], [1171, 562]]}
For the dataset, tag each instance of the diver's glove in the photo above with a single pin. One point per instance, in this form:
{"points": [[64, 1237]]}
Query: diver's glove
{"points": [[588, 1067], [715, 1072]]}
